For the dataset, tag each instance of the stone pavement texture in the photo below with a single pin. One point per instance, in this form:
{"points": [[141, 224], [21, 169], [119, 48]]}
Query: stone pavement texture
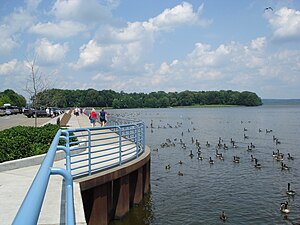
{"points": [[14, 184]]}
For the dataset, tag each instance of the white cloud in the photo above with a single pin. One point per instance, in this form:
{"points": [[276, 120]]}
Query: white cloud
{"points": [[7, 68], [179, 15], [104, 77], [127, 46], [49, 53], [126, 55], [81, 10], [286, 24], [17, 21], [226, 67], [7, 42], [32, 4], [90, 54], [63, 29], [169, 19], [202, 55], [258, 43]]}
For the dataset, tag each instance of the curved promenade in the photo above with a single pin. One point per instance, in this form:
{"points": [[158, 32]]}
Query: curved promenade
{"points": [[17, 176]]}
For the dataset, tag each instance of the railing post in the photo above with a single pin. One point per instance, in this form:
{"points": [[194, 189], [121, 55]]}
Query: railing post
{"points": [[120, 145], [70, 217], [66, 149], [137, 140], [144, 137], [68, 157], [89, 153]]}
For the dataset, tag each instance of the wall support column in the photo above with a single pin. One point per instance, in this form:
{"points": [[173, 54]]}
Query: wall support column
{"points": [[147, 177], [99, 210], [122, 201], [138, 193], [136, 186]]}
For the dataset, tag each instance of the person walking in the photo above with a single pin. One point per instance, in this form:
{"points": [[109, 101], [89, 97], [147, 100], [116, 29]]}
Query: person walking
{"points": [[93, 117], [103, 117]]}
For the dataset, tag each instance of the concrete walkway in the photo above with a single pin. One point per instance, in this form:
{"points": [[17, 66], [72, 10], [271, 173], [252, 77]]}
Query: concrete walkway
{"points": [[14, 184]]}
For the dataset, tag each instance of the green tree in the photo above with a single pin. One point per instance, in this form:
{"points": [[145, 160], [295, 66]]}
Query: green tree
{"points": [[249, 99], [186, 98], [151, 102], [11, 97]]}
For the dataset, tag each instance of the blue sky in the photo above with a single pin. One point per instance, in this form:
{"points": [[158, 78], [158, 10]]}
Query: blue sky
{"points": [[153, 45]]}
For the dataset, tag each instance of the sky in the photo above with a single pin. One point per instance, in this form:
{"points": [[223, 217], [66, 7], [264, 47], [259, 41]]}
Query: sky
{"points": [[152, 45]]}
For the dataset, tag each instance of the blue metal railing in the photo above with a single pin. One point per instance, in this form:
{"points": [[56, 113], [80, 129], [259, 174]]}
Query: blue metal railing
{"points": [[30, 209], [101, 148], [88, 150]]}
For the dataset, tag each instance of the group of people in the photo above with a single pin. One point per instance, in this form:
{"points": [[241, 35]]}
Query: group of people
{"points": [[78, 110], [102, 117]]}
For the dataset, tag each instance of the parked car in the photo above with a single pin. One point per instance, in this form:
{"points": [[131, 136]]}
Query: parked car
{"points": [[2, 111], [39, 112]]}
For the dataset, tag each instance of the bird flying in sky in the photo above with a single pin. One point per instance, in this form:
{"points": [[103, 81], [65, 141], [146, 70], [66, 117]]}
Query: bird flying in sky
{"points": [[268, 8]]}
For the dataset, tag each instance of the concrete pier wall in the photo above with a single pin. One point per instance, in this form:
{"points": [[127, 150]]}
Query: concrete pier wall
{"points": [[110, 194]]}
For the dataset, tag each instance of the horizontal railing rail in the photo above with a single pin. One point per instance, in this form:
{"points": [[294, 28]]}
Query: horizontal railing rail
{"points": [[101, 148], [88, 150]]}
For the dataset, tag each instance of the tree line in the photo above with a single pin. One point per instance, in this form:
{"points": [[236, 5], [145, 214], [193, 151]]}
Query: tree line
{"points": [[10, 97], [109, 98]]}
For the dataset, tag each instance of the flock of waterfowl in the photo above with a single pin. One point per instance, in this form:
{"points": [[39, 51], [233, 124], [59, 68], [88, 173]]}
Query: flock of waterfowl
{"points": [[213, 152], [222, 146]]}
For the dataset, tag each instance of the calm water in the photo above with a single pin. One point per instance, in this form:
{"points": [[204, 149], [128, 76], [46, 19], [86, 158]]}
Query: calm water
{"points": [[247, 195]]}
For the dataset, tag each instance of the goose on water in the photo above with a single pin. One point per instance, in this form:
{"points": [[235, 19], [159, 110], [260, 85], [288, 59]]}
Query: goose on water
{"points": [[290, 191], [290, 157], [223, 216], [207, 144], [218, 155], [257, 165], [236, 159], [200, 157], [284, 166], [284, 207], [191, 154]]}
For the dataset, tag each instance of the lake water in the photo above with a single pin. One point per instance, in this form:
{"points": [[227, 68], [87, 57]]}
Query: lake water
{"points": [[246, 194]]}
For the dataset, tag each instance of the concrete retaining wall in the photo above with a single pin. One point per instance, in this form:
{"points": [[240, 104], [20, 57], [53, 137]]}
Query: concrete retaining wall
{"points": [[109, 194]]}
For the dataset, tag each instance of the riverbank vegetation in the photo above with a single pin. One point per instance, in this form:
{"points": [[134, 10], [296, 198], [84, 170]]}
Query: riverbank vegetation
{"points": [[109, 98]]}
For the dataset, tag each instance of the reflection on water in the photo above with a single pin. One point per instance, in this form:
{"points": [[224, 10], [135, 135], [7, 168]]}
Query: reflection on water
{"points": [[247, 195], [140, 214]]}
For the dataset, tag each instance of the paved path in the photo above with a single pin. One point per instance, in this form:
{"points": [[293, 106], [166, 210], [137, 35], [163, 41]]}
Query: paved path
{"points": [[15, 183]]}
